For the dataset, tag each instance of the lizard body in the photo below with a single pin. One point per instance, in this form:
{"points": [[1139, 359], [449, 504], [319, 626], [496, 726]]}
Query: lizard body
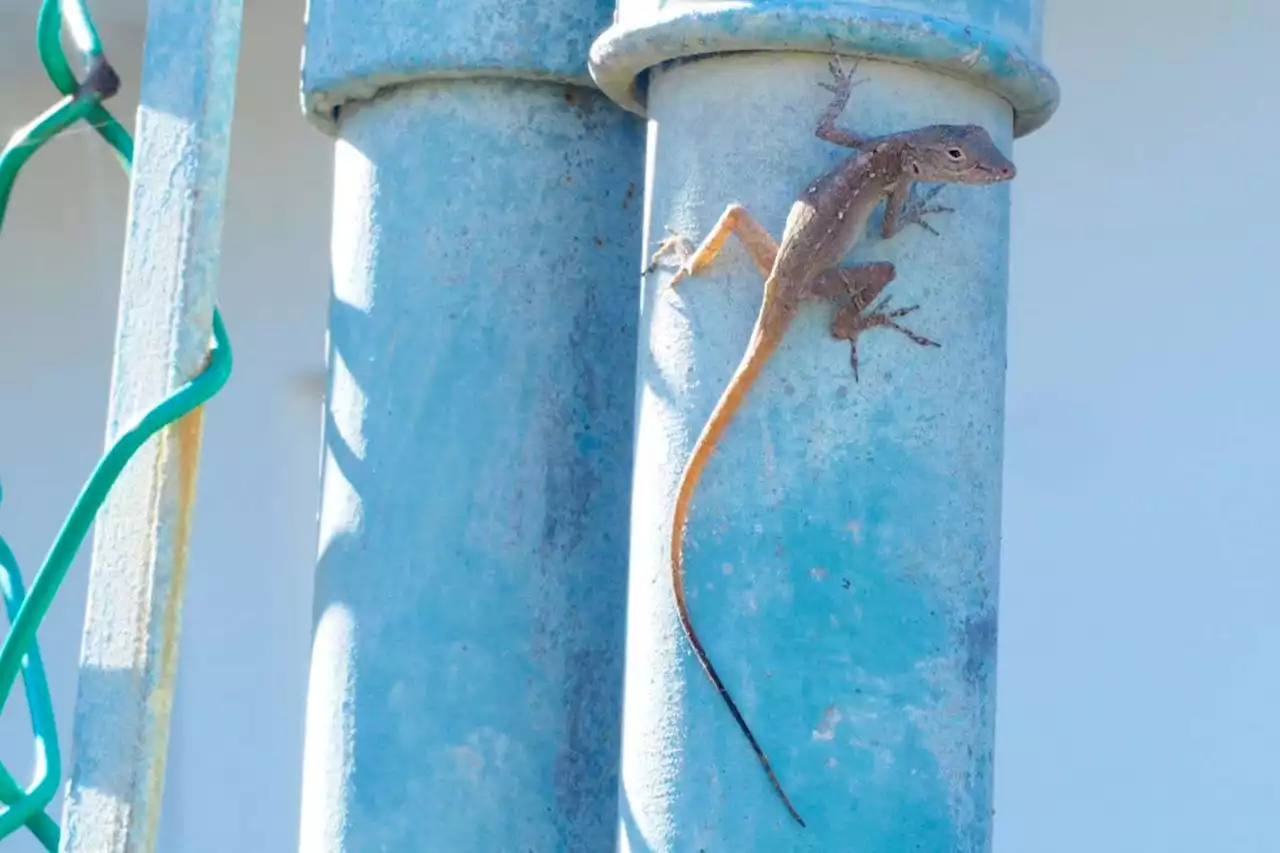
{"points": [[825, 222]]}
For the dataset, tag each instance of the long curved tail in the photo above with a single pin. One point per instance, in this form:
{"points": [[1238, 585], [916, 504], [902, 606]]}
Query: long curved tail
{"points": [[770, 325]]}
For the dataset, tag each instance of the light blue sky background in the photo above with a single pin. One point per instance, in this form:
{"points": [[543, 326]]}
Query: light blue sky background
{"points": [[1139, 640]]}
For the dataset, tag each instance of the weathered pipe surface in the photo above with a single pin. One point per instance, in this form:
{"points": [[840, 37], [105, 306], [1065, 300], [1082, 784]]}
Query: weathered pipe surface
{"points": [[356, 48], [842, 553], [467, 664], [994, 44]]}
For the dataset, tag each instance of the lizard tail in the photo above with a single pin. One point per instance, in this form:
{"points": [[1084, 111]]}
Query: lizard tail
{"points": [[766, 336]]}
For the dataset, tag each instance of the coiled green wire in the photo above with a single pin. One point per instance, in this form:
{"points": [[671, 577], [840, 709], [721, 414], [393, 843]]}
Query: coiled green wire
{"points": [[20, 652]]}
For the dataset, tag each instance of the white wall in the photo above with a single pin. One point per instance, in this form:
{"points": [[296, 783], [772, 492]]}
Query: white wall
{"points": [[1137, 648], [1138, 679]]}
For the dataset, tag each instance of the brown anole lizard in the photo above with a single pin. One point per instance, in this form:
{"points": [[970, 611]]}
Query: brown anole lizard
{"points": [[825, 222]]}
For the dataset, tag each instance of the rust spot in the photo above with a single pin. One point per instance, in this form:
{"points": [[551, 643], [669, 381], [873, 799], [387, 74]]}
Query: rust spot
{"points": [[599, 243], [570, 96], [184, 438]]}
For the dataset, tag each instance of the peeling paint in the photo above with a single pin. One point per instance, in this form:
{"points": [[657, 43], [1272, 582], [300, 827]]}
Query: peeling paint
{"points": [[826, 730]]}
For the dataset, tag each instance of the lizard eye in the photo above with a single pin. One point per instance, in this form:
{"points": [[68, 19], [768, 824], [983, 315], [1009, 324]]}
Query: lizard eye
{"points": [[955, 154]]}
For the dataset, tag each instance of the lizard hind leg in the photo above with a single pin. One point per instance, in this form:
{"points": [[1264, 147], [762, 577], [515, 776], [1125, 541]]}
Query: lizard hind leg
{"points": [[672, 243], [858, 283], [736, 220], [850, 322]]}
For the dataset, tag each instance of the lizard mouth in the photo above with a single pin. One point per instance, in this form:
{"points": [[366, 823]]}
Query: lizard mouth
{"points": [[1005, 172]]}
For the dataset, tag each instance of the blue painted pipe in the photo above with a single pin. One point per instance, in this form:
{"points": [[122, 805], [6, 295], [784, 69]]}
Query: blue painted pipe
{"points": [[467, 662], [842, 551]]}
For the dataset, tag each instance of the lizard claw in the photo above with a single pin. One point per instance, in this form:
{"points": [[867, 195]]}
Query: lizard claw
{"points": [[838, 72], [918, 207], [842, 80], [929, 196], [672, 243], [850, 322]]}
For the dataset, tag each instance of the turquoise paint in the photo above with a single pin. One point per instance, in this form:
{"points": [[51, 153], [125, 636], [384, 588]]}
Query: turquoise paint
{"points": [[991, 47], [842, 557], [355, 50], [467, 662]]}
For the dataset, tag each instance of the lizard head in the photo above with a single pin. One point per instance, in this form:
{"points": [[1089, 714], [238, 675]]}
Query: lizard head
{"points": [[956, 153]]}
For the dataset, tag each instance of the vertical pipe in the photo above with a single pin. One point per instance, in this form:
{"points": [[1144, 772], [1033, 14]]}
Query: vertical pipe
{"points": [[466, 665], [128, 659], [841, 555]]}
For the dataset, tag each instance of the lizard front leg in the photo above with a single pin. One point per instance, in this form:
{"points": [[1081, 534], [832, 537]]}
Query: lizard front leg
{"points": [[759, 244], [840, 87], [904, 207]]}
